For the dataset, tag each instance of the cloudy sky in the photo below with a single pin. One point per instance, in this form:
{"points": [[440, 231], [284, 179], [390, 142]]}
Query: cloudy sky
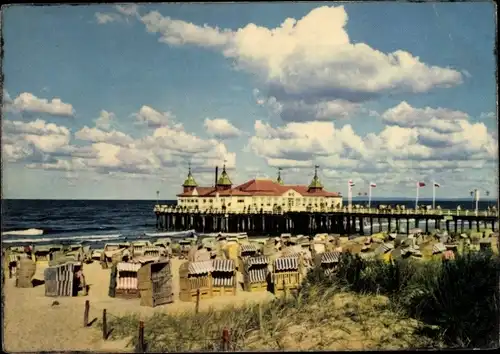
{"points": [[113, 102]]}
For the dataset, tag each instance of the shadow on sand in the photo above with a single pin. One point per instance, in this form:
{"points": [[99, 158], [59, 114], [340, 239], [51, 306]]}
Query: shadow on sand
{"points": [[37, 282]]}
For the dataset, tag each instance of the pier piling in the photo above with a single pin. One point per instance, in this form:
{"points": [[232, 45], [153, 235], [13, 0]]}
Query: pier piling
{"points": [[309, 223]]}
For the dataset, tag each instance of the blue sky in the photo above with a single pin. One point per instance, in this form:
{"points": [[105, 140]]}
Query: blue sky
{"points": [[113, 102]]}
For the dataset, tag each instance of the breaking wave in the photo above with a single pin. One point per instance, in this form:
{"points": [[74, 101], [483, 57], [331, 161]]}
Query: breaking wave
{"points": [[91, 238], [27, 232]]}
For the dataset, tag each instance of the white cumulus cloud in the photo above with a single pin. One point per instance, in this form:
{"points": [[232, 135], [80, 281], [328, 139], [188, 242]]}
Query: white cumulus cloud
{"points": [[178, 32], [301, 111], [37, 140], [221, 128], [99, 136], [413, 139], [488, 115], [440, 119], [109, 17], [123, 13], [27, 102], [6, 97], [128, 9], [105, 120], [309, 66], [153, 118], [107, 151]]}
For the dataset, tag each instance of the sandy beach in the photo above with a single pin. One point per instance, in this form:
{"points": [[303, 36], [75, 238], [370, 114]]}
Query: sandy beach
{"points": [[32, 323]]}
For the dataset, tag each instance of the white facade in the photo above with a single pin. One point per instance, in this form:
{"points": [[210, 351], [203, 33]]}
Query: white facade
{"points": [[291, 200]]}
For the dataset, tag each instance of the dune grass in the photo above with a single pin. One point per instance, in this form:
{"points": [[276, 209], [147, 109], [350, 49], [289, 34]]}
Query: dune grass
{"points": [[324, 318], [365, 305], [460, 296]]}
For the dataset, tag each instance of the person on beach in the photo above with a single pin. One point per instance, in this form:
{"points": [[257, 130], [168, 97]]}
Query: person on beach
{"points": [[28, 251], [80, 282], [12, 265]]}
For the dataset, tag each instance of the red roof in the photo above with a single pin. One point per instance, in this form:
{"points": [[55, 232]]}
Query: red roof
{"points": [[201, 191], [260, 187], [304, 190]]}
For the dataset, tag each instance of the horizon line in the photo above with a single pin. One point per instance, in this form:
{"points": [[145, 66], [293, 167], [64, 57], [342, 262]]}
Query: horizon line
{"points": [[354, 198]]}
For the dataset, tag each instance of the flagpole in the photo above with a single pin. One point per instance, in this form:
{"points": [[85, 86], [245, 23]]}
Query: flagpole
{"points": [[477, 201], [349, 196], [433, 195], [416, 199], [370, 196]]}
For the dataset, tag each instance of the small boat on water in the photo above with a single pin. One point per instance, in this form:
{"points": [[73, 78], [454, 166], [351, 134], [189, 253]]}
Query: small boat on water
{"points": [[28, 232]]}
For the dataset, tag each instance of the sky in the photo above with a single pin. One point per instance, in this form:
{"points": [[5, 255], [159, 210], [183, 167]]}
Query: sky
{"points": [[116, 101]]}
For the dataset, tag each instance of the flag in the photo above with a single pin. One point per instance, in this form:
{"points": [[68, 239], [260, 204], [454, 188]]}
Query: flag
{"points": [[420, 184], [351, 183], [373, 185], [436, 185]]}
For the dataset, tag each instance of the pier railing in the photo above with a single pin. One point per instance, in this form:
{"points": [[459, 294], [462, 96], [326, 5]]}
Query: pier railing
{"points": [[374, 211]]}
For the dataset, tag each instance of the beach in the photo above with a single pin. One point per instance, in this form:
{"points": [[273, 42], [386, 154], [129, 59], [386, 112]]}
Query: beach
{"points": [[31, 323], [35, 322]]}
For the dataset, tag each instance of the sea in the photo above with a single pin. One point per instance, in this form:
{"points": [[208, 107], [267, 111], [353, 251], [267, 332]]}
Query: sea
{"points": [[96, 222]]}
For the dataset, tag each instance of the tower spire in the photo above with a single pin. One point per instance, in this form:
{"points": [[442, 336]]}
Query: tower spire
{"points": [[190, 182], [279, 179], [315, 183], [224, 180]]}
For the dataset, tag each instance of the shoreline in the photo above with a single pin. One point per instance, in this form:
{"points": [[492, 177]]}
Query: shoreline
{"points": [[98, 241]]}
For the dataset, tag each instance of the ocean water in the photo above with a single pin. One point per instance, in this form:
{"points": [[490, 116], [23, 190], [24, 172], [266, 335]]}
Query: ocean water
{"points": [[99, 221], [94, 221]]}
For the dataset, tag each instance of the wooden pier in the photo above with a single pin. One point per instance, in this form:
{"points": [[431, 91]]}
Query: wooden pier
{"points": [[309, 223]]}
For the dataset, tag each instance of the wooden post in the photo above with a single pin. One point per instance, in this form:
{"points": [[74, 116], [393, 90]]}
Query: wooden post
{"points": [[86, 314], [197, 307], [104, 325], [140, 341], [261, 323], [225, 339]]}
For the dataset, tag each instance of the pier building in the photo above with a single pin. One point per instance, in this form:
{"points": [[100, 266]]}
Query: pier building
{"points": [[256, 195], [271, 207]]}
